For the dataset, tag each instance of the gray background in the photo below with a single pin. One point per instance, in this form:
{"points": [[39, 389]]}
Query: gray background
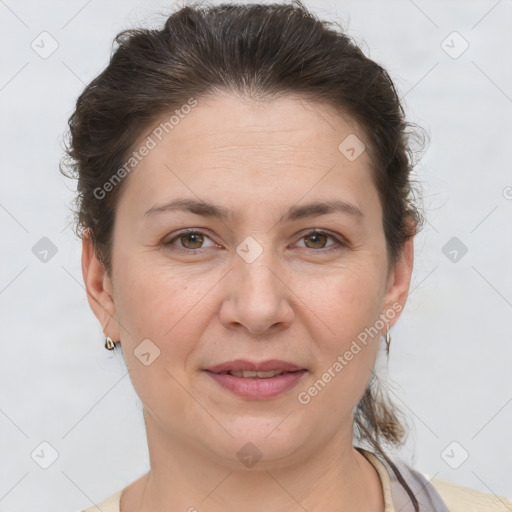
{"points": [[451, 353]]}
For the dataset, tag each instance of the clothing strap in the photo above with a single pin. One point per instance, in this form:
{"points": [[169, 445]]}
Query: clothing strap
{"points": [[428, 498]]}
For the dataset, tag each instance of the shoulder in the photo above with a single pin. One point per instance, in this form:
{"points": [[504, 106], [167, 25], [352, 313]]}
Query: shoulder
{"points": [[111, 504], [464, 499]]}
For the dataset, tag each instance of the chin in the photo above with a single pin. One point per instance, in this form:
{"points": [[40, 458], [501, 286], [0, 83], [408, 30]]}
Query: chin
{"points": [[257, 443]]}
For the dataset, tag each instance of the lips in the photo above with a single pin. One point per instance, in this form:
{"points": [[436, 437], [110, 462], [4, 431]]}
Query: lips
{"points": [[246, 374], [256, 381], [263, 369]]}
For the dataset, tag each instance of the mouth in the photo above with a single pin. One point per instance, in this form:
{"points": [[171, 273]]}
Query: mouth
{"points": [[262, 367], [248, 374], [256, 381]]}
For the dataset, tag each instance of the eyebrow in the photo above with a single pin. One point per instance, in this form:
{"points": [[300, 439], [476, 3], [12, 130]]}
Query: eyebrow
{"points": [[206, 209]]}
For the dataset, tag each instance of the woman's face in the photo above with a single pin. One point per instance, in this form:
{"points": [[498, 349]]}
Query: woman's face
{"points": [[252, 282]]}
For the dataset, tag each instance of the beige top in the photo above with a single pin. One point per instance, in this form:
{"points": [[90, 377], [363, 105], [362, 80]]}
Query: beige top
{"points": [[456, 497]]}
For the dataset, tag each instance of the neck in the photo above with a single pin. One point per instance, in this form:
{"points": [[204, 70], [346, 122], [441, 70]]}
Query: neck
{"points": [[334, 476]]}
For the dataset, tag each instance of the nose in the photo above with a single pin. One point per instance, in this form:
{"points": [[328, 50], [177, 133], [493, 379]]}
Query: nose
{"points": [[257, 297]]}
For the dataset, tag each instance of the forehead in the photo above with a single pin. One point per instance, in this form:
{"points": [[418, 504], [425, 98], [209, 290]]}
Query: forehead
{"points": [[250, 149], [224, 120]]}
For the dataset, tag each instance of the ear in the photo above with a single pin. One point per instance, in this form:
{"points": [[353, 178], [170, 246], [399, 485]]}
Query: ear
{"points": [[99, 289], [399, 282]]}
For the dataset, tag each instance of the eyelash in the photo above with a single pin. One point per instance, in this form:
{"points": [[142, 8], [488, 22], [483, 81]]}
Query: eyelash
{"points": [[339, 245]]}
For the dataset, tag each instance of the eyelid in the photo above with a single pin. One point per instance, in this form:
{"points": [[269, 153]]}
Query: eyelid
{"points": [[340, 241], [192, 231]]}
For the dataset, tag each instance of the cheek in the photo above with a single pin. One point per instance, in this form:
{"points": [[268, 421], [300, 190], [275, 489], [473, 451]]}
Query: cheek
{"points": [[349, 299], [155, 309], [164, 304], [172, 308], [348, 306], [155, 301]]}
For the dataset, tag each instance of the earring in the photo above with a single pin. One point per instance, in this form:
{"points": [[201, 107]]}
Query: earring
{"points": [[109, 343], [388, 339]]}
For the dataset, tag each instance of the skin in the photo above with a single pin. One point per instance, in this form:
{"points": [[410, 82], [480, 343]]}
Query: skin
{"points": [[295, 302]]}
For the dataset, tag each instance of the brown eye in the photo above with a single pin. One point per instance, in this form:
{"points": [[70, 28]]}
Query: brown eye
{"points": [[188, 241], [192, 240], [318, 240]]}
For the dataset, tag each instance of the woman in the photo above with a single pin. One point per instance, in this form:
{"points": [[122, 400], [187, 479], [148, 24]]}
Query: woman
{"points": [[247, 226]]}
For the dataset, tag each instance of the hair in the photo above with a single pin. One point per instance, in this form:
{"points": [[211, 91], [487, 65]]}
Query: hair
{"points": [[256, 52]]}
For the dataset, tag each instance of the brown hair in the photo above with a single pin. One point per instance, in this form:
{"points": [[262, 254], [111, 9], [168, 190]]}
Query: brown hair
{"points": [[255, 51]]}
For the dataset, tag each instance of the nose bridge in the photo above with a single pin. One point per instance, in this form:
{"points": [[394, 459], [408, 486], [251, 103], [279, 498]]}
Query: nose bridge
{"points": [[258, 298], [254, 262]]}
